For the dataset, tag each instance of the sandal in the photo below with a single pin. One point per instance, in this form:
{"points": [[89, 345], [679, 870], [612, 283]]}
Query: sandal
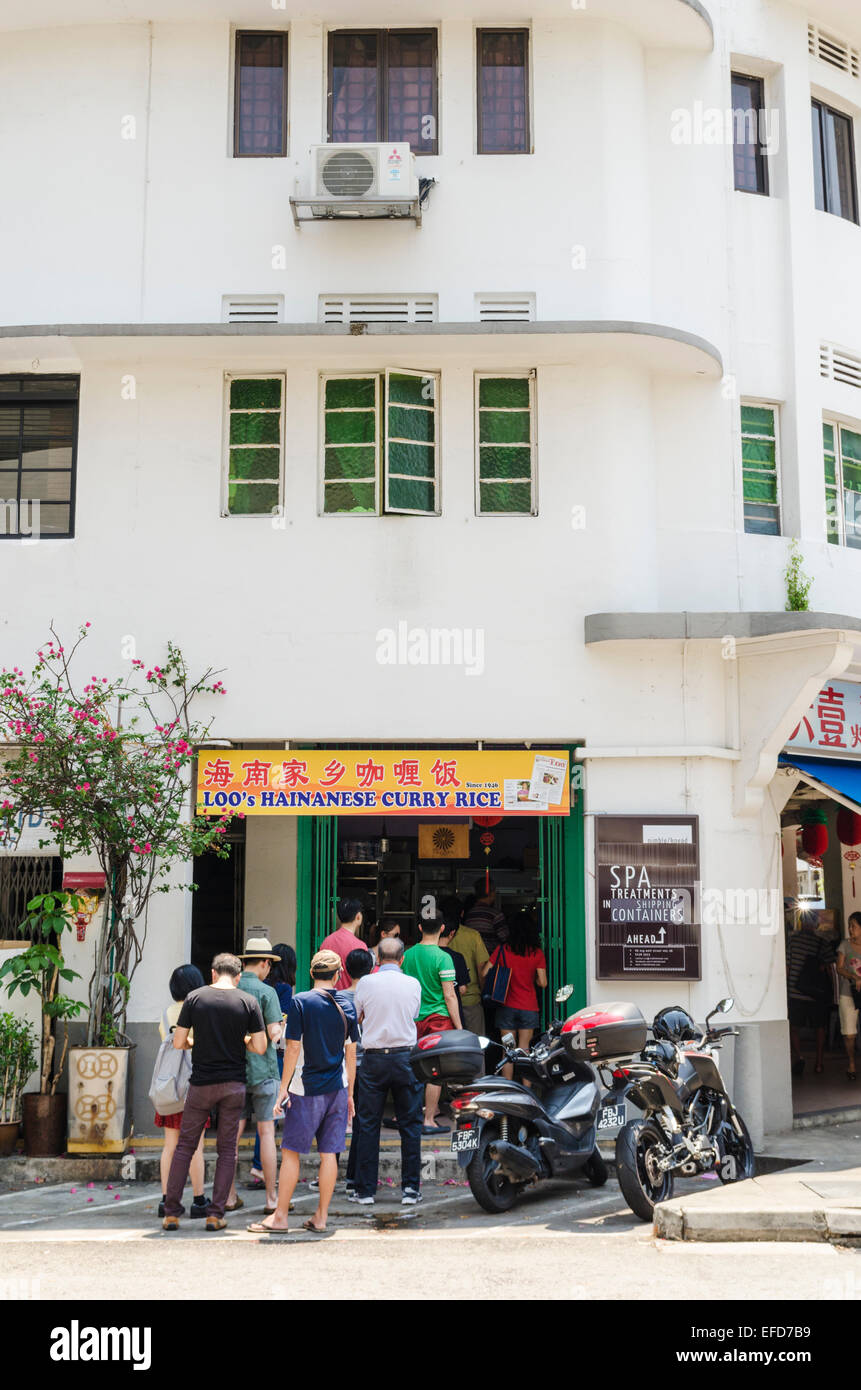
{"points": [[255, 1185], [257, 1228], [317, 1230], [851, 1075], [234, 1206]]}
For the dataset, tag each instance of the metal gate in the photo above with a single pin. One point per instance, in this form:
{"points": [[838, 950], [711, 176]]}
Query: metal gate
{"points": [[22, 877], [317, 891]]}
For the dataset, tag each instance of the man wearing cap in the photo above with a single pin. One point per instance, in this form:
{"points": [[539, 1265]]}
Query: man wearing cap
{"points": [[322, 1023], [261, 1073]]}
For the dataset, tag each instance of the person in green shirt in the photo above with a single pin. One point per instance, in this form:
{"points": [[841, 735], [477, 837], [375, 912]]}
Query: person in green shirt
{"points": [[439, 1011], [261, 1073]]}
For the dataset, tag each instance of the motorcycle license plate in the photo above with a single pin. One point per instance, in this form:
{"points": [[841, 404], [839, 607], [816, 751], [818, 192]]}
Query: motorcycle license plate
{"points": [[611, 1117], [464, 1139]]}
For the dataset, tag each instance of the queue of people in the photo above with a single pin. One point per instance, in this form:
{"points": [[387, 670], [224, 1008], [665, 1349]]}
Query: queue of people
{"points": [[328, 1058]]}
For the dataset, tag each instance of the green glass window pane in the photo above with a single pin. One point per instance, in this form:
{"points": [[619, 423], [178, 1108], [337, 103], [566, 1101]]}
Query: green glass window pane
{"points": [[350, 427], [760, 489], [411, 494], [852, 515], [251, 499], [496, 462], [415, 459], [509, 391], [255, 394], [828, 437], [515, 498], [757, 419], [410, 424], [351, 391], [760, 451], [832, 524], [503, 427], [761, 521], [255, 463], [255, 429], [349, 497], [850, 443], [851, 476], [830, 470], [350, 463], [412, 390]]}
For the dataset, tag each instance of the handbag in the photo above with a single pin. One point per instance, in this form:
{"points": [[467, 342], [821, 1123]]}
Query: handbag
{"points": [[171, 1076], [497, 981]]}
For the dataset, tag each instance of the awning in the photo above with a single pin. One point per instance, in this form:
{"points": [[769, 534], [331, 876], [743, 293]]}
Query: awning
{"points": [[835, 778]]}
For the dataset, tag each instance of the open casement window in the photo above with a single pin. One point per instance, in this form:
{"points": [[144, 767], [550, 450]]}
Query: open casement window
{"points": [[505, 445], [842, 457], [759, 468], [834, 177], [254, 430], [380, 437]]}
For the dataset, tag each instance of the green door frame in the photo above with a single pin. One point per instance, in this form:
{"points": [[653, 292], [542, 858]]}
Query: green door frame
{"points": [[562, 863]]}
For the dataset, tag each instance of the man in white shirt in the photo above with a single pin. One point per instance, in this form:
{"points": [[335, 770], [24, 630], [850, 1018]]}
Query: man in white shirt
{"points": [[388, 1003]]}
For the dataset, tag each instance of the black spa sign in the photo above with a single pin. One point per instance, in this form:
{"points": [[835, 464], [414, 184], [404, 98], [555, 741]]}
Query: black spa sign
{"points": [[647, 883]]}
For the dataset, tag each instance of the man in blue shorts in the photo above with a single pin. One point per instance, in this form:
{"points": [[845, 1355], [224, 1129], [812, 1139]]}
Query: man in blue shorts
{"points": [[323, 1028]]}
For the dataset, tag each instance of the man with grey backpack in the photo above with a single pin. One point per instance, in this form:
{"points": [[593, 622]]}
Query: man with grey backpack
{"points": [[169, 1087]]}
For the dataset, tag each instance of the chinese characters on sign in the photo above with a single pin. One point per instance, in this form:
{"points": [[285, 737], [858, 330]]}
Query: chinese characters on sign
{"points": [[416, 783], [646, 872], [832, 725]]}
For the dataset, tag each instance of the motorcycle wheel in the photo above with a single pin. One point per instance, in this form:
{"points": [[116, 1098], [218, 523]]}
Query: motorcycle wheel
{"points": [[637, 1146], [739, 1148], [492, 1190], [596, 1170]]}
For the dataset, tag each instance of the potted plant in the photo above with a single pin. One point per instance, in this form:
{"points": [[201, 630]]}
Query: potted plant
{"points": [[17, 1062], [39, 970], [111, 758]]}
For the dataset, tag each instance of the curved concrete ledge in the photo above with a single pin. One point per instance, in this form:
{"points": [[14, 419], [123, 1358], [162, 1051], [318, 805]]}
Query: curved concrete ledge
{"points": [[676, 627], [548, 328]]}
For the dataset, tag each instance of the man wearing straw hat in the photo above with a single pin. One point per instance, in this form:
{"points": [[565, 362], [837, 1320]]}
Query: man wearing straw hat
{"points": [[261, 1073]]}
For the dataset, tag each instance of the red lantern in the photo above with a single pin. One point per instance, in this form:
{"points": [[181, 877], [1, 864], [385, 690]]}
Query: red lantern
{"points": [[848, 826], [488, 821], [814, 839]]}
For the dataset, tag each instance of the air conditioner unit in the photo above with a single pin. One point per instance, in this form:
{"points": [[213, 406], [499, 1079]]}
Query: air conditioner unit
{"points": [[355, 173]]}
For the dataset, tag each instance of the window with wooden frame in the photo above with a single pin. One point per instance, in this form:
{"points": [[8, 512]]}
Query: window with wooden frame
{"points": [[38, 451], [834, 177], [750, 162], [254, 444], [380, 443], [260, 94], [383, 86], [505, 444], [842, 456], [502, 83], [759, 464]]}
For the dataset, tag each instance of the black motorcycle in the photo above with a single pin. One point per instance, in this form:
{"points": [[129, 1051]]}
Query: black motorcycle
{"points": [[690, 1125], [510, 1135]]}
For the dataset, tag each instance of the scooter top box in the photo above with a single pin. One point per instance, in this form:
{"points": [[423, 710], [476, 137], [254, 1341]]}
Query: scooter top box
{"points": [[604, 1030], [454, 1056]]}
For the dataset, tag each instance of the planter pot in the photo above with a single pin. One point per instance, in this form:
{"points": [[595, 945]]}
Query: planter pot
{"points": [[99, 1099], [8, 1138], [44, 1125]]}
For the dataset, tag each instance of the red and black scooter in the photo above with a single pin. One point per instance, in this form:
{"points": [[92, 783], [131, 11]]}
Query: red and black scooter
{"points": [[510, 1136]]}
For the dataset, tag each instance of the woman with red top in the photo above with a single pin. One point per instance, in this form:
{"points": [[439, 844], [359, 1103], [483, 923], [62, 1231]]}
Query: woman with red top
{"points": [[525, 959]]}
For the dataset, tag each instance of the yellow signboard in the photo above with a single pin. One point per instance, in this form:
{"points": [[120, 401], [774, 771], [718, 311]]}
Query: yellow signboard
{"points": [[421, 782]]}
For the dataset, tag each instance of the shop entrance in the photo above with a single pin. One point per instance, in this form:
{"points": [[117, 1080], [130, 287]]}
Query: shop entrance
{"points": [[822, 888], [535, 862]]}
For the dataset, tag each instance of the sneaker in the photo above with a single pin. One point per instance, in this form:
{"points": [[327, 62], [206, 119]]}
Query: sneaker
{"points": [[161, 1209], [360, 1201], [349, 1186], [198, 1209], [411, 1197]]}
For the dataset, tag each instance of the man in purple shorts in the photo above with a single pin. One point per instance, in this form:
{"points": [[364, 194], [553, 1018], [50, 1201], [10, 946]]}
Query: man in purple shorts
{"points": [[318, 1102]]}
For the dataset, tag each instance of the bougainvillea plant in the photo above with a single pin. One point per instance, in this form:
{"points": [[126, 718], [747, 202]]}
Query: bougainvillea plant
{"points": [[107, 759]]}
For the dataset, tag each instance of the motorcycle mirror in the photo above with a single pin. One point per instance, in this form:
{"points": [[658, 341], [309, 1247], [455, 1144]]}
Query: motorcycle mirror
{"points": [[564, 993], [508, 1040], [725, 1005], [483, 1042]]}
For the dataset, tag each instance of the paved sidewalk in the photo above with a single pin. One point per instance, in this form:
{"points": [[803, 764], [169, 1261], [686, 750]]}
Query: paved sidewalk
{"points": [[817, 1199]]}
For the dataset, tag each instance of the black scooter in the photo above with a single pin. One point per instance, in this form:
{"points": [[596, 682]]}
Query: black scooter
{"points": [[509, 1135]]}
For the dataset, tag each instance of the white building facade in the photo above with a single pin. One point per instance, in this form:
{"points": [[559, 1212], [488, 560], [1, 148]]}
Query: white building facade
{"points": [[652, 320]]}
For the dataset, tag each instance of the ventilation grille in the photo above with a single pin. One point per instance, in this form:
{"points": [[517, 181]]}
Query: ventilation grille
{"points": [[252, 308], [837, 365], [378, 308], [497, 308], [833, 51], [348, 173]]}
